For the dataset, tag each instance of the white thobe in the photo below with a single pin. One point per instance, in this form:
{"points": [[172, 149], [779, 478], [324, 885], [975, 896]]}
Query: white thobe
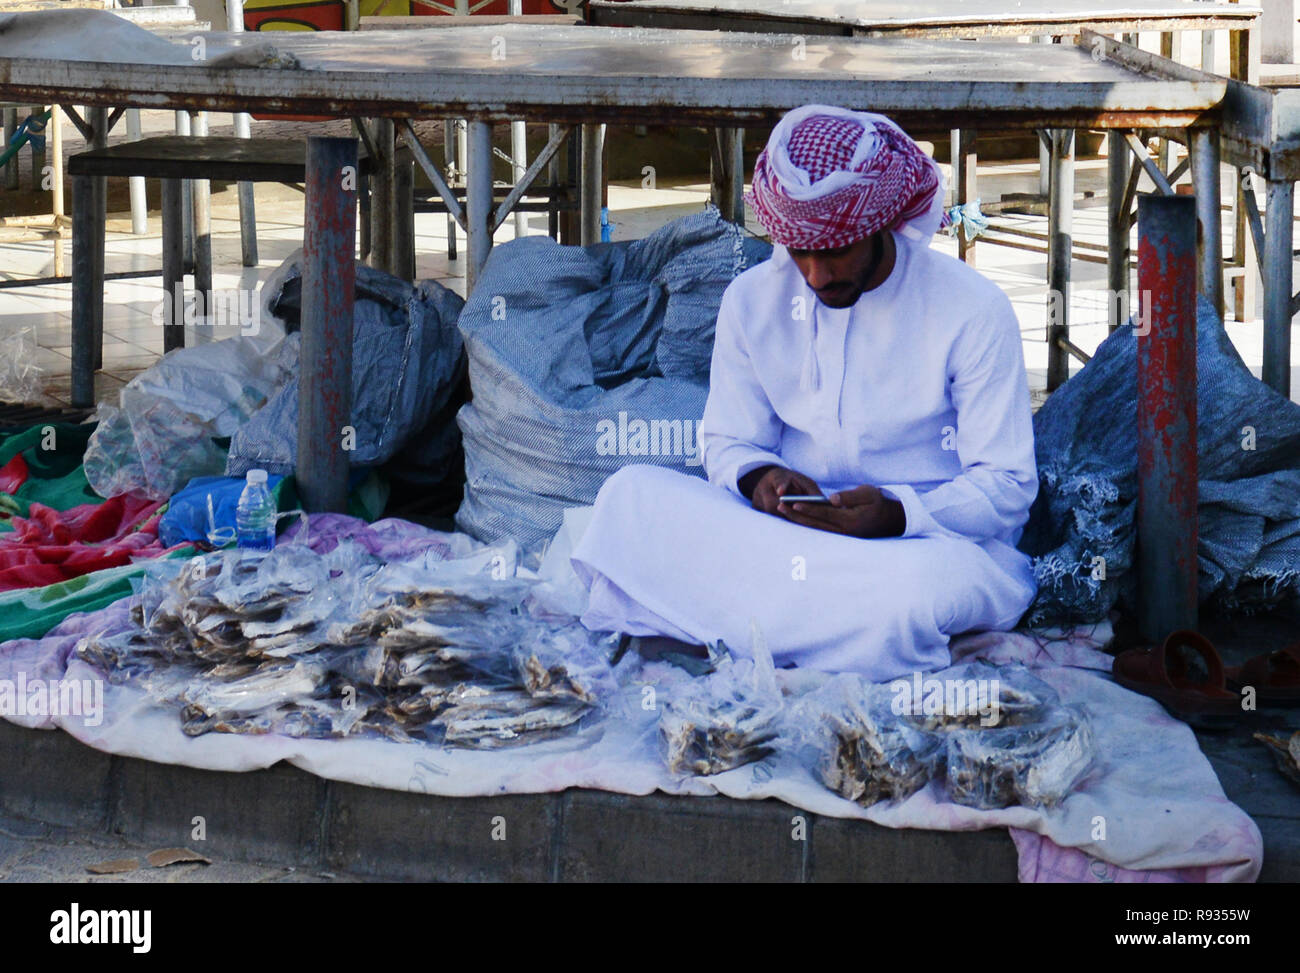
{"points": [[918, 388]]}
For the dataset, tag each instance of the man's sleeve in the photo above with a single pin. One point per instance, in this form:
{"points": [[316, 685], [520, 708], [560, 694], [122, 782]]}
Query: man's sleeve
{"points": [[994, 438], [740, 430]]}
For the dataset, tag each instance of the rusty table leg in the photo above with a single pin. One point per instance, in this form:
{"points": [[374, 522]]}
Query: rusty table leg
{"points": [[173, 234], [1204, 148], [593, 137], [328, 282], [1117, 253], [965, 162], [1060, 253], [1166, 415], [1277, 285], [478, 201]]}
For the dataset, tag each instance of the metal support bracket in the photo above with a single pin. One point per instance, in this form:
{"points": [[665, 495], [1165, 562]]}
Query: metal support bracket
{"points": [[529, 176], [422, 158], [1256, 222], [1149, 164]]}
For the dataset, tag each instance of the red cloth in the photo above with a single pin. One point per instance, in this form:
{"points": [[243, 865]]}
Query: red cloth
{"points": [[896, 183], [13, 474], [50, 545]]}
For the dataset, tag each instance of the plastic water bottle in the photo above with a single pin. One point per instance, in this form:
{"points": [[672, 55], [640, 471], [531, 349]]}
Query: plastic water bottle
{"points": [[255, 514]]}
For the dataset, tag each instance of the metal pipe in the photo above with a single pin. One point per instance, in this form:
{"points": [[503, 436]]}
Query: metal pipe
{"points": [[964, 164], [56, 151], [11, 167], [1117, 263], [519, 144], [462, 146], [38, 152], [173, 268], [83, 327], [404, 219], [98, 120], [1204, 146], [383, 175], [1277, 285], [519, 158], [243, 130], [187, 242], [202, 200], [1044, 152], [553, 176], [135, 185], [592, 137], [449, 144], [328, 292], [363, 216], [733, 154], [1243, 256], [478, 200], [1166, 414], [1075, 350], [1060, 217]]}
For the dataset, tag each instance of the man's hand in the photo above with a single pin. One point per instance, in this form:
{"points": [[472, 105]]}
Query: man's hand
{"points": [[861, 512], [773, 483]]}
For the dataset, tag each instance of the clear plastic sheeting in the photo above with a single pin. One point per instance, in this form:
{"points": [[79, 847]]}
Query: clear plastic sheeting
{"points": [[1082, 528], [161, 434], [406, 360], [21, 378], [585, 359]]}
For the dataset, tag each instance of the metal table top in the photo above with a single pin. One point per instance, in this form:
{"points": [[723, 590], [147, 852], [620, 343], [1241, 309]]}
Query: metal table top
{"points": [[955, 17], [590, 74]]}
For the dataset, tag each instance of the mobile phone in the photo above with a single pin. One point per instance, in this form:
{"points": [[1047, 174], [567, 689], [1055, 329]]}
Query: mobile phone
{"points": [[804, 498]]}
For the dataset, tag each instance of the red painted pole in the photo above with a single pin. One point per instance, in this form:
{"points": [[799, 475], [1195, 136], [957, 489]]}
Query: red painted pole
{"points": [[1167, 474], [328, 281]]}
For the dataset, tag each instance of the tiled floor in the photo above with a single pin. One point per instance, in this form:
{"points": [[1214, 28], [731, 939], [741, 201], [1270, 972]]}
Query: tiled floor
{"points": [[133, 341]]}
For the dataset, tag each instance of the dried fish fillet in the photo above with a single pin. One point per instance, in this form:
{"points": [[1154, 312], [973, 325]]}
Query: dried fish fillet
{"points": [[485, 727]]}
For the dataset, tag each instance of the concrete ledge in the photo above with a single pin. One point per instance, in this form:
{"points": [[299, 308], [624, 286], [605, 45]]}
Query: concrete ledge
{"points": [[272, 815], [286, 816], [395, 835], [48, 776], [661, 838]]}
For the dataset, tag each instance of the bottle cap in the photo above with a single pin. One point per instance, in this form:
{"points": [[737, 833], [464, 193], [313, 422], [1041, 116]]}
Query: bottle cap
{"points": [[256, 476]]}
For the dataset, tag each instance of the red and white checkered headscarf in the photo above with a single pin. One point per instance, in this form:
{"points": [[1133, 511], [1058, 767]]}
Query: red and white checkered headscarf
{"points": [[830, 177]]}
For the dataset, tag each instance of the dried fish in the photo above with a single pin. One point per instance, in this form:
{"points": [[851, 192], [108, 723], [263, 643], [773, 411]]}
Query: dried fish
{"points": [[488, 727], [1286, 753], [256, 692], [975, 695], [873, 757], [721, 721], [733, 737], [1036, 765], [858, 745], [301, 644]]}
